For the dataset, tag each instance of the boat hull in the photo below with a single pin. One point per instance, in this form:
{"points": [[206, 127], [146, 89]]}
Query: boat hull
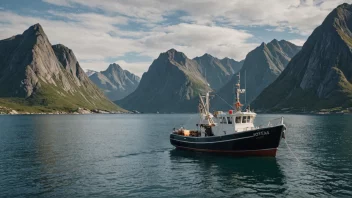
{"points": [[258, 142]]}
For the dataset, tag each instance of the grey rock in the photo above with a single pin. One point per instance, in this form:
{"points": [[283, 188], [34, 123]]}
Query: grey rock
{"points": [[260, 68], [320, 75], [33, 69], [217, 72], [116, 82], [171, 84]]}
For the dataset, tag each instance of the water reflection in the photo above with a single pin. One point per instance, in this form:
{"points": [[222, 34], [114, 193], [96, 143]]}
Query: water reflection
{"points": [[242, 175], [130, 155]]}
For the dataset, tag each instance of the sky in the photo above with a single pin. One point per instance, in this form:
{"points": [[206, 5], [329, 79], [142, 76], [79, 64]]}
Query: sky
{"points": [[133, 33]]}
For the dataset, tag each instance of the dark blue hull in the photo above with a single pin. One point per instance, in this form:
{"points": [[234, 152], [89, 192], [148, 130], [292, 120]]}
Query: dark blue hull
{"points": [[259, 142]]}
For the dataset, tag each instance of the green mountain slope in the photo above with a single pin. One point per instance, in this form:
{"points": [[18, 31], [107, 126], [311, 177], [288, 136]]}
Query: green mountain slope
{"points": [[36, 76]]}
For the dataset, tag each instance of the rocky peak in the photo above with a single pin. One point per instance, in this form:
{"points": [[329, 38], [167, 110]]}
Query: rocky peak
{"points": [[35, 35], [261, 67], [114, 67], [319, 76], [35, 29], [32, 69], [275, 42], [174, 55], [262, 45], [116, 82], [208, 56]]}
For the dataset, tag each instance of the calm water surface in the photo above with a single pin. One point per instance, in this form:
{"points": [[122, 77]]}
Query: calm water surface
{"points": [[130, 156]]}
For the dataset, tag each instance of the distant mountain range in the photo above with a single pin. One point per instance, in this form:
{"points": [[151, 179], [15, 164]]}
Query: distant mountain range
{"points": [[320, 75], [90, 72], [115, 82], [279, 76], [217, 72], [36, 76], [260, 68], [173, 82]]}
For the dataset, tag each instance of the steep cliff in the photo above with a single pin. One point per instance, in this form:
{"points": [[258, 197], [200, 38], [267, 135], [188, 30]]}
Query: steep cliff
{"points": [[320, 75], [33, 73], [260, 68]]}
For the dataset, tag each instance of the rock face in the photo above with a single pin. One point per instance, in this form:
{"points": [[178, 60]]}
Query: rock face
{"points": [[171, 84], [35, 73], [260, 68], [217, 72], [320, 75], [116, 82]]}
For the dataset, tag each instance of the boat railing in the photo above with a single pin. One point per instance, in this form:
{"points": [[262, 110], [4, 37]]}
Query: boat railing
{"points": [[276, 122]]}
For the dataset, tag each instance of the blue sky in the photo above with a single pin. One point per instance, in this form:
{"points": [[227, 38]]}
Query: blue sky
{"points": [[132, 33]]}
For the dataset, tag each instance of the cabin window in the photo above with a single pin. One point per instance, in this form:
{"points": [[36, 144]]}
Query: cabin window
{"points": [[223, 120], [238, 119], [248, 119], [244, 119], [251, 119], [229, 119]]}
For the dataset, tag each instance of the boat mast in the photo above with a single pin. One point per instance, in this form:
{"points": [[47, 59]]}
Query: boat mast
{"points": [[238, 92], [245, 87], [207, 102], [204, 109]]}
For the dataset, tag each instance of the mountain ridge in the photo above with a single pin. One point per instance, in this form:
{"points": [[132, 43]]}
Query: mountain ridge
{"points": [[261, 67], [40, 77], [171, 84], [116, 82], [216, 71], [319, 77]]}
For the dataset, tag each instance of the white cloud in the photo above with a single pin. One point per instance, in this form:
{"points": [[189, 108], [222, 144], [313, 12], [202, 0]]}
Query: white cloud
{"points": [[298, 42], [94, 38], [88, 39], [299, 16], [138, 68], [195, 40], [58, 2], [207, 27]]}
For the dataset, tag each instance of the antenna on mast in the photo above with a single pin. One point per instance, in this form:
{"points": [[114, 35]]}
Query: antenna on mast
{"points": [[238, 92], [245, 87]]}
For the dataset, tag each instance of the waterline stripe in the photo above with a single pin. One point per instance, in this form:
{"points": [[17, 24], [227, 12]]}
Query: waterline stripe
{"points": [[214, 141]]}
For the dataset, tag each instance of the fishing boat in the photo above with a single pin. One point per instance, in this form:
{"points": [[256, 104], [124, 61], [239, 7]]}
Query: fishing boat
{"points": [[231, 132]]}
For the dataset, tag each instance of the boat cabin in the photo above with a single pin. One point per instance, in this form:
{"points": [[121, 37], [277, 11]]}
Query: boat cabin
{"points": [[241, 121]]}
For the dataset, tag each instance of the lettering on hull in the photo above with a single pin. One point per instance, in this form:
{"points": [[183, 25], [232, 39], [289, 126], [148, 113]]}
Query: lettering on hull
{"points": [[261, 133]]}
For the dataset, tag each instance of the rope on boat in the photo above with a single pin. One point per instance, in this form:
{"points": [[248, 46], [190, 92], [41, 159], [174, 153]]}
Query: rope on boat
{"points": [[299, 162], [224, 101]]}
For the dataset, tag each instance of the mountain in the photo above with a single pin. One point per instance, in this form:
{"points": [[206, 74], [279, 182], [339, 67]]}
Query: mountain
{"points": [[90, 72], [171, 84], [217, 72], [260, 68], [37, 76], [115, 82], [320, 75]]}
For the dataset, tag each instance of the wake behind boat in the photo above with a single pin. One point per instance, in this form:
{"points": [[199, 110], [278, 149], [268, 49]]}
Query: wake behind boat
{"points": [[231, 132]]}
